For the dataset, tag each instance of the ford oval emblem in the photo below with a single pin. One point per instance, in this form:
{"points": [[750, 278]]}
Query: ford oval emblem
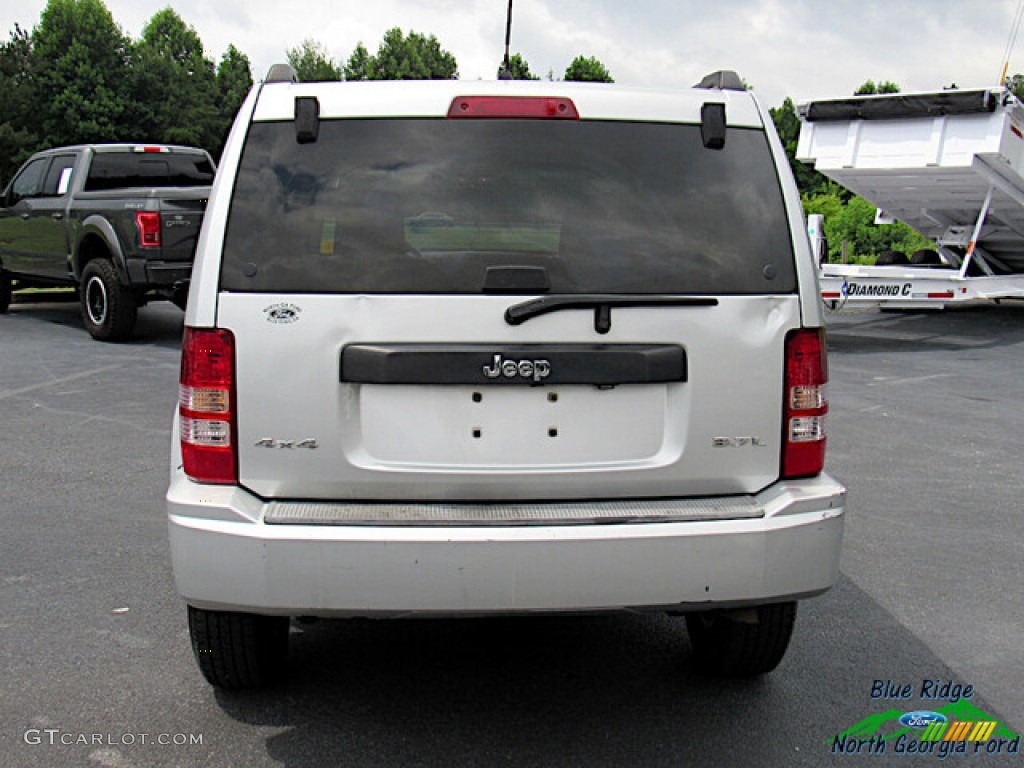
{"points": [[282, 313], [922, 718]]}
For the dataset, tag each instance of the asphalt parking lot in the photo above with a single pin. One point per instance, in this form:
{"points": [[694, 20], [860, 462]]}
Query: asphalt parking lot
{"points": [[925, 430]]}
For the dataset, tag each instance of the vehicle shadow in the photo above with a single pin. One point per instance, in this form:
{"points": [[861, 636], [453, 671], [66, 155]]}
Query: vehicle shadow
{"points": [[589, 691], [959, 328], [159, 323]]}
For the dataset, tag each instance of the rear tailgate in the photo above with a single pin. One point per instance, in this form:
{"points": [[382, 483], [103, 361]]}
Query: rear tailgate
{"points": [[305, 433], [181, 217]]}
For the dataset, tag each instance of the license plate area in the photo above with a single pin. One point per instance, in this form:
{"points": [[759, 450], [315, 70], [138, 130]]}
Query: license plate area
{"points": [[478, 428]]}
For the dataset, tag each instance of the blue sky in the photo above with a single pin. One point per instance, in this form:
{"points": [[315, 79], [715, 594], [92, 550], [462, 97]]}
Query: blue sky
{"points": [[800, 48]]}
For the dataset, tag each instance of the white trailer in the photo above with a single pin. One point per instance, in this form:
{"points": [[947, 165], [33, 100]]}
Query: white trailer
{"points": [[948, 164]]}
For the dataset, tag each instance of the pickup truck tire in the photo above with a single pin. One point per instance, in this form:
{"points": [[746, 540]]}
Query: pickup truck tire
{"points": [[741, 643], [5, 291], [109, 309], [236, 651]]}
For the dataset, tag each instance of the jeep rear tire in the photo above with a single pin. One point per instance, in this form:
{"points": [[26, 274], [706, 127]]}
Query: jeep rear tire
{"points": [[109, 309], [742, 643], [236, 651]]}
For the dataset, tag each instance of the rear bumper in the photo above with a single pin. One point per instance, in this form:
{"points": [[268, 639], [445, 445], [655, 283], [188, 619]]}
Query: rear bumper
{"points": [[158, 274], [226, 557]]}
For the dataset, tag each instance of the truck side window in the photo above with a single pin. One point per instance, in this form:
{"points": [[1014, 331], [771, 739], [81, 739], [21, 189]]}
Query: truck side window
{"points": [[28, 183], [58, 178]]}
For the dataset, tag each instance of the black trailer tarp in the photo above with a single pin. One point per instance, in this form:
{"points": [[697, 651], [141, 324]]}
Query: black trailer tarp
{"points": [[891, 106]]}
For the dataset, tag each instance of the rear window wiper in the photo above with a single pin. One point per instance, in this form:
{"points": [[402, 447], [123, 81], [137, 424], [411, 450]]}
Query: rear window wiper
{"points": [[602, 305]]}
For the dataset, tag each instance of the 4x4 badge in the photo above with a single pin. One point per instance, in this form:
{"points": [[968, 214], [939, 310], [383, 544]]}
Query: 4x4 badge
{"points": [[270, 442], [282, 313]]}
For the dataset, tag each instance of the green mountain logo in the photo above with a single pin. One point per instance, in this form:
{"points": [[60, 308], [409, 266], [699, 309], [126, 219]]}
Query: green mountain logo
{"points": [[886, 725]]}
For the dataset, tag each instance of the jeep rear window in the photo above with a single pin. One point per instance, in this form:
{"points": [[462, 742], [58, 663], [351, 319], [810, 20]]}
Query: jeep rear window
{"points": [[427, 206], [117, 170]]}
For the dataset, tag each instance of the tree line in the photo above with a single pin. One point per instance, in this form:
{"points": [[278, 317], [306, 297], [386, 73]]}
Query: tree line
{"points": [[77, 78]]}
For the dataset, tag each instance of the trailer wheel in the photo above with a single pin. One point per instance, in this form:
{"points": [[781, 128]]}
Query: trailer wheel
{"points": [[742, 643], [109, 309], [891, 258], [926, 257]]}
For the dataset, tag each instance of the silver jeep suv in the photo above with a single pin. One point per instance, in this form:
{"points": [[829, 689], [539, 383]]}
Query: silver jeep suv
{"points": [[469, 348]]}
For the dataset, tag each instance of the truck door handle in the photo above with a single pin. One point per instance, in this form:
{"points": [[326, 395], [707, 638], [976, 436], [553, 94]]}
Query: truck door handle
{"points": [[57, 215], [24, 216]]}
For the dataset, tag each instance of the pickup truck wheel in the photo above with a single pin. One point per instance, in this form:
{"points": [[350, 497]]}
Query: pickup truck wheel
{"points": [[109, 309], [235, 651], [742, 643], [5, 291]]}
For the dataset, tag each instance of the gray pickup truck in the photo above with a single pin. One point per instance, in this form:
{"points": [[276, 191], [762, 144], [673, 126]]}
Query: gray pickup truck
{"points": [[119, 222]]}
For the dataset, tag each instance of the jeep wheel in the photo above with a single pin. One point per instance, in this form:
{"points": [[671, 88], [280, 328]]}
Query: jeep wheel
{"points": [[741, 643], [108, 308], [5, 291], [239, 650]]}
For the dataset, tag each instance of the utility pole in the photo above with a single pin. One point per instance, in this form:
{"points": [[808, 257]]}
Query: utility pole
{"points": [[506, 66]]}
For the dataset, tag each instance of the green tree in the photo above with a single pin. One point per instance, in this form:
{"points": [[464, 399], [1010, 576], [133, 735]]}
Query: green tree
{"points": [[312, 63], [869, 88], [788, 125], [358, 65], [79, 63], [18, 138], [588, 70], [853, 221], [518, 68], [1016, 85], [234, 81], [405, 57], [174, 86]]}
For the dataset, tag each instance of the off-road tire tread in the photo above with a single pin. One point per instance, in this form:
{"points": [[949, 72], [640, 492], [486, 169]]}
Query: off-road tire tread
{"points": [[122, 306]]}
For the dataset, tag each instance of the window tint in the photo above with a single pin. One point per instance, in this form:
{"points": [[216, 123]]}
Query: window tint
{"points": [[114, 170], [427, 206], [29, 183], [58, 178]]}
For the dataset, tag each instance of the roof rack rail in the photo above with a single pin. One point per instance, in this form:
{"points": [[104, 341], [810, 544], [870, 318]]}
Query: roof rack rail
{"points": [[723, 80], [282, 73]]}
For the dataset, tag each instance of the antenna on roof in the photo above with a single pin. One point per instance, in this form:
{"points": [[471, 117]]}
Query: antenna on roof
{"points": [[505, 73]]}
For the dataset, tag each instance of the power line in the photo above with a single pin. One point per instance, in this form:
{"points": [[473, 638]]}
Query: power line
{"points": [[1014, 29]]}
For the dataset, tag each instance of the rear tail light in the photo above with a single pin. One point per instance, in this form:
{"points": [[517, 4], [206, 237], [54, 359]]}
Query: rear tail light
{"points": [[148, 224], [806, 404], [206, 398]]}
